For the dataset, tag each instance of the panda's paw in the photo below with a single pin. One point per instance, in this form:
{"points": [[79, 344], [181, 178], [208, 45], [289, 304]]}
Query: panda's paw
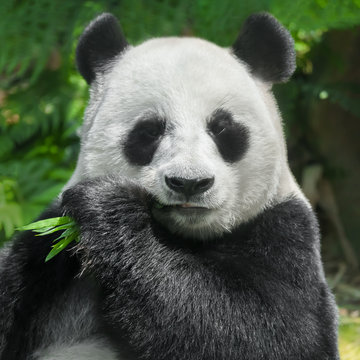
{"points": [[102, 204], [114, 220]]}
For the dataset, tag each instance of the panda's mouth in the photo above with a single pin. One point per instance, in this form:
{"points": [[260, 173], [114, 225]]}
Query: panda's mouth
{"points": [[182, 207], [180, 217]]}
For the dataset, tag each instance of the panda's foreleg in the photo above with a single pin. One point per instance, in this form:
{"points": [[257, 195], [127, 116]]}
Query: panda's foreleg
{"points": [[27, 284], [171, 303]]}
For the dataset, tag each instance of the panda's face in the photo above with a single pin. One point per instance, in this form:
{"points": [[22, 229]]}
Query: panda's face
{"points": [[184, 119]]}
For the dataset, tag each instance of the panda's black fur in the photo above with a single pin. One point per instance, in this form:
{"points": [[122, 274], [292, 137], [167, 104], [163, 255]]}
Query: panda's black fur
{"points": [[101, 41], [256, 293], [273, 56], [232, 139]]}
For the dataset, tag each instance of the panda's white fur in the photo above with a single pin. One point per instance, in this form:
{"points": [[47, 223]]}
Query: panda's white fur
{"points": [[91, 349], [70, 326], [184, 80]]}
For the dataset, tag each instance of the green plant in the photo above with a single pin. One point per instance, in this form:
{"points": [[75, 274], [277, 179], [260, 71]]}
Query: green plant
{"points": [[67, 226]]}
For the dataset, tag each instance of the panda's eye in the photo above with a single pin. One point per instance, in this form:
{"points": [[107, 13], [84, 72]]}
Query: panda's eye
{"points": [[218, 128], [151, 129], [220, 123]]}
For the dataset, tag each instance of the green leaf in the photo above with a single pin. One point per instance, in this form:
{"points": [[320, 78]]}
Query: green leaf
{"points": [[61, 245], [56, 228], [67, 233], [47, 223], [49, 226], [157, 205]]}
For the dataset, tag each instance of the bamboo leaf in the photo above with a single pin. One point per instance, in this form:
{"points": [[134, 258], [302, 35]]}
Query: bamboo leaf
{"points": [[60, 246], [54, 229], [65, 224], [67, 233], [47, 223]]}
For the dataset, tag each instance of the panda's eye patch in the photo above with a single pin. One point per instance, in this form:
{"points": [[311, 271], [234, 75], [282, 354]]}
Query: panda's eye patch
{"points": [[231, 138], [151, 128], [143, 140]]}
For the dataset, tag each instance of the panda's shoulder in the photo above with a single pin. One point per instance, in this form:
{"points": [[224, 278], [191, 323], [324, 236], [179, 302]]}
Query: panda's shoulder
{"points": [[289, 221]]}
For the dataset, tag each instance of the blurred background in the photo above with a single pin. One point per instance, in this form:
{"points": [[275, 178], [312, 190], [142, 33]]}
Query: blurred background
{"points": [[42, 99]]}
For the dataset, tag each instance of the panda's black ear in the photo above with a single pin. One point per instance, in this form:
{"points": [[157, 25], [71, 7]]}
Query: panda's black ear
{"points": [[267, 47], [101, 41]]}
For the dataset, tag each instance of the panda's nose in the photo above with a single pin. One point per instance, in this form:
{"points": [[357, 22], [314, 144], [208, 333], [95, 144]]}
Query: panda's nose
{"points": [[189, 187]]}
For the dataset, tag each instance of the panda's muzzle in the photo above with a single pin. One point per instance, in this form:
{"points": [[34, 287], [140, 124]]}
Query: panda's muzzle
{"points": [[189, 187]]}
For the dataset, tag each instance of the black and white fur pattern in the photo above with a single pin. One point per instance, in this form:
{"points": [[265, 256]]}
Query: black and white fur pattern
{"points": [[230, 272]]}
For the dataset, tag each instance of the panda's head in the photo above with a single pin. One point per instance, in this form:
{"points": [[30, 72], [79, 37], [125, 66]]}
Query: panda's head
{"points": [[193, 123]]}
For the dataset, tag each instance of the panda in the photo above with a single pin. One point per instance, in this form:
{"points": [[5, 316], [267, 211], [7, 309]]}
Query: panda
{"points": [[196, 241]]}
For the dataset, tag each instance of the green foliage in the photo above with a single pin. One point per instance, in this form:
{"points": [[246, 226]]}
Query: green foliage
{"points": [[9, 208], [67, 226], [42, 97]]}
